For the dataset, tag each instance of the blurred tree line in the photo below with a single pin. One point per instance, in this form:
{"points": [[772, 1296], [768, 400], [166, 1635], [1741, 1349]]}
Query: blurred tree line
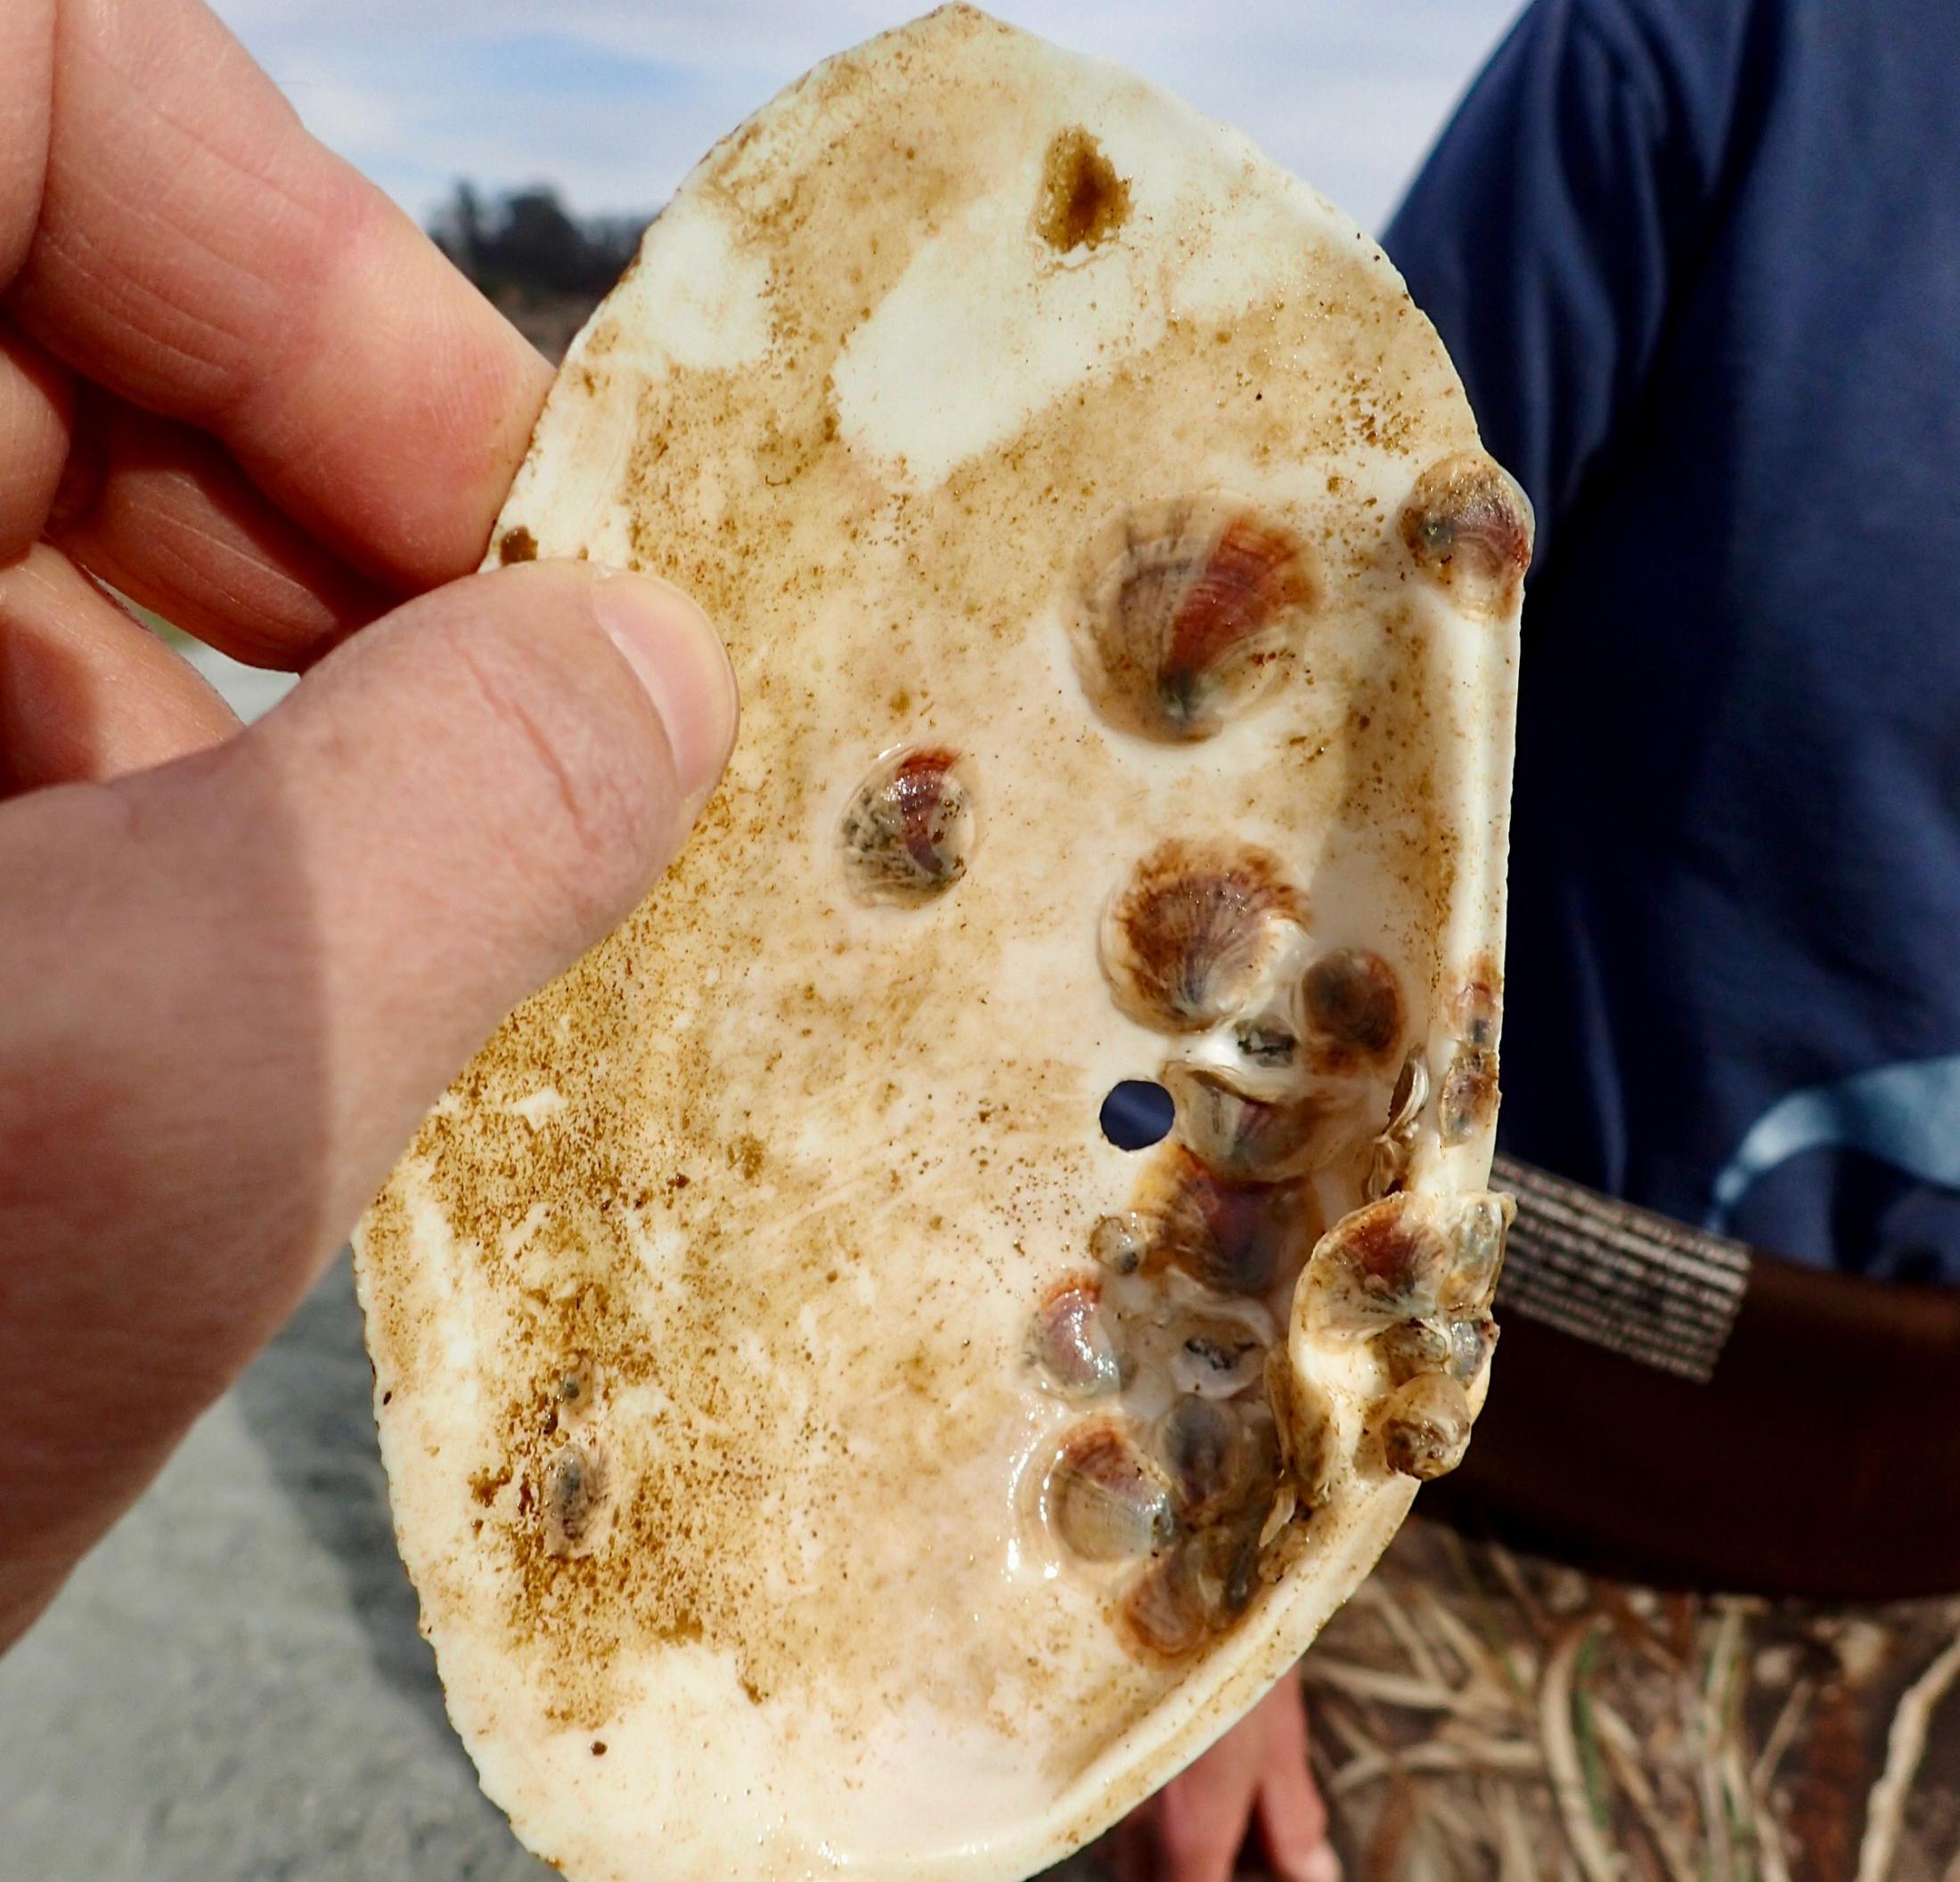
{"points": [[546, 268]]}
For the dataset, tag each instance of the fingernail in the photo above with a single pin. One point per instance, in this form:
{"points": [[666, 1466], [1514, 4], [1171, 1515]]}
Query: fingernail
{"points": [[1321, 1865], [680, 661]]}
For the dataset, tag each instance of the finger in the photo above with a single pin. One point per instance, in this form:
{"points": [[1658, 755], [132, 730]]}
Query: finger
{"points": [[1203, 1813], [36, 410], [1132, 1847], [27, 91], [1293, 1821], [86, 692], [236, 984], [201, 256], [163, 514]]}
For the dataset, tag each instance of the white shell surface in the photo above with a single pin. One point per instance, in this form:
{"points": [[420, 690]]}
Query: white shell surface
{"points": [[776, 1175]]}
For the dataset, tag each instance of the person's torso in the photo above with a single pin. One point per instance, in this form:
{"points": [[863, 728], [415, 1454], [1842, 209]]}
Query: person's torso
{"points": [[1735, 953]]}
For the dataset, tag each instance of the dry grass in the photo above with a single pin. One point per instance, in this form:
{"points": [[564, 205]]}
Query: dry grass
{"points": [[1478, 1714]]}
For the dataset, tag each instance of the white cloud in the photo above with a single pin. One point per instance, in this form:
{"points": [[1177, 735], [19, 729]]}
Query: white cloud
{"points": [[613, 101]]}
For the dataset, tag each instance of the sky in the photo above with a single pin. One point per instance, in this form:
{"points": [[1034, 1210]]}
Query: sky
{"points": [[612, 101]]}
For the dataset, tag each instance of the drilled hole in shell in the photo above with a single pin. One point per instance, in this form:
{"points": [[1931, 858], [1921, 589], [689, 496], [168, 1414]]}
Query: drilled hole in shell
{"points": [[906, 835], [1188, 611], [1136, 1114]]}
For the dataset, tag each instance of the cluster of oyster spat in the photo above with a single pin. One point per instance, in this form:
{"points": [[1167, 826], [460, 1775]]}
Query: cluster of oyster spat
{"points": [[1205, 1442]]}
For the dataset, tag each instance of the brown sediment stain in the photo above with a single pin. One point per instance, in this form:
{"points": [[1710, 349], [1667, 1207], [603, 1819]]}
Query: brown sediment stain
{"points": [[517, 545], [1083, 201]]}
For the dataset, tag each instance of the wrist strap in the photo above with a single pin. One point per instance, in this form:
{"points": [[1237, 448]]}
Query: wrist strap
{"points": [[1615, 1275]]}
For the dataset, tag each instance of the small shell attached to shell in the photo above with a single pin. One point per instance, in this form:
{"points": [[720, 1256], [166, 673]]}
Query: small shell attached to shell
{"points": [[1248, 1139], [1189, 612], [1353, 1006], [1234, 1238], [907, 833], [1200, 1445], [577, 1499], [1194, 930], [1469, 528], [1382, 1265], [1105, 1500], [1426, 1426], [1072, 1344]]}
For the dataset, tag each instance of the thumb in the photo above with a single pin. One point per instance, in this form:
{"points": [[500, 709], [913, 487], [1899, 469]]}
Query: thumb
{"points": [[232, 986], [476, 791]]}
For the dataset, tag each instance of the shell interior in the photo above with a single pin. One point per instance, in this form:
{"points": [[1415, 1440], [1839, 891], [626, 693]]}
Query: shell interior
{"points": [[815, 1442]]}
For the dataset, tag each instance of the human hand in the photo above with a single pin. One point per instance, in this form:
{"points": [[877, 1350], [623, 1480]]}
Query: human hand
{"points": [[1193, 1829], [237, 967]]}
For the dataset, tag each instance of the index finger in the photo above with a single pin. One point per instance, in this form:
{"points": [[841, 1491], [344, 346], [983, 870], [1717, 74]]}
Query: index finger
{"points": [[198, 252]]}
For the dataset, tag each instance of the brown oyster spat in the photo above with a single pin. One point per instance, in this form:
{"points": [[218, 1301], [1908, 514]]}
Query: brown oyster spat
{"points": [[907, 832], [1468, 528], [1189, 612]]}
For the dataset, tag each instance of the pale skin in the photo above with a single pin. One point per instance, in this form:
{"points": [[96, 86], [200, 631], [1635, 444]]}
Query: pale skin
{"points": [[236, 967]]}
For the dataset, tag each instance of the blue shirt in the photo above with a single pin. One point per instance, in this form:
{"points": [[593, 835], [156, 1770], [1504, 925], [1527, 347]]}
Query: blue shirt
{"points": [[1699, 264]]}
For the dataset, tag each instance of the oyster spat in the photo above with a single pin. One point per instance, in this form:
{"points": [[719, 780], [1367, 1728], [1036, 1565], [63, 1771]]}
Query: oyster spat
{"points": [[814, 1442]]}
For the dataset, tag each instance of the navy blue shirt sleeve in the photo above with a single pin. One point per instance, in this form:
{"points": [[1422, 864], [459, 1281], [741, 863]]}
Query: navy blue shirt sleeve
{"points": [[1547, 232], [1698, 262]]}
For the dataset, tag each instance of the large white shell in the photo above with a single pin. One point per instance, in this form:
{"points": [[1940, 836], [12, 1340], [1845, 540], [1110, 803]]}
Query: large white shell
{"points": [[774, 1177]]}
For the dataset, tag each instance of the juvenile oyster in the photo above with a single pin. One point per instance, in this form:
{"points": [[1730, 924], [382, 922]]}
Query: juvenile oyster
{"points": [[1381, 1265], [1072, 1345], [1235, 1238], [1353, 1006], [1190, 935], [1201, 1445], [1218, 1357], [1105, 1499], [1248, 1139], [1426, 1426], [1468, 525], [1188, 611], [908, 829], [577, 1500]]}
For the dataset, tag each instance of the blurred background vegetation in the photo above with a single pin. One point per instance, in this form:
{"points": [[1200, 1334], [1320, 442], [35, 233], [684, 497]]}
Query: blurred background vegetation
{"points": [[544, 267]]}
